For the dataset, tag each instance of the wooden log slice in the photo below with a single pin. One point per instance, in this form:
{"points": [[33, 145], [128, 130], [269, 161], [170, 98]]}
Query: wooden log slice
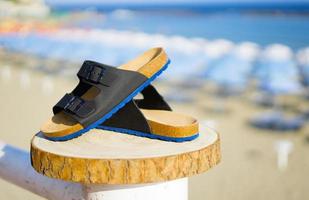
{"points": [[105, 157]]}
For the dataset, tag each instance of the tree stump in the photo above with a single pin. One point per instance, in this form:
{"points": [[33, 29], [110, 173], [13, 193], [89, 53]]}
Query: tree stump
{"points": [[105, 157]]}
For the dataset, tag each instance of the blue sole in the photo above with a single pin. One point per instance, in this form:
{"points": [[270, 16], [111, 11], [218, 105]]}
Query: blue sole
{"points": [[149, 135], [114, 110]]}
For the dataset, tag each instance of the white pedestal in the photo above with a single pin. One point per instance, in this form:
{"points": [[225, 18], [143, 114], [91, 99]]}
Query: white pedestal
{"points": [[175, 190], [15, 167]]}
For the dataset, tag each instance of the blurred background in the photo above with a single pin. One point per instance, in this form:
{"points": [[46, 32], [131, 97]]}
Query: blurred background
{"points": [[239, 66]]}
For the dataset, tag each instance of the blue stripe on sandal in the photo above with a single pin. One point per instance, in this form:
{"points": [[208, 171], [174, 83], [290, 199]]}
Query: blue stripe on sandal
{"points": [[148, 135]]}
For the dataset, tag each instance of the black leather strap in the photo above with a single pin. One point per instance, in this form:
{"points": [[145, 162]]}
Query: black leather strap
{"points": [[130, 117], [74, 105], [110, 87], [97, 73], [152, 100]]}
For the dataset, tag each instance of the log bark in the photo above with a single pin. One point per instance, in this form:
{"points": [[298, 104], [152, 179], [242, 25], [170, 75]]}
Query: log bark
{"points": [[15, 167], [104, 157]]}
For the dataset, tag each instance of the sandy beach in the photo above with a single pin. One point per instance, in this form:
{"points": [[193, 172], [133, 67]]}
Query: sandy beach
{"points": [[248, 169]]}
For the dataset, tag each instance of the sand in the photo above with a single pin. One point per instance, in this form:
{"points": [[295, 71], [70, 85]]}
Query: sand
{"points": [[249, 161]]}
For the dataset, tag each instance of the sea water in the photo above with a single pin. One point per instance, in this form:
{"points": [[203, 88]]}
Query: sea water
{"points": [[261, 24]]}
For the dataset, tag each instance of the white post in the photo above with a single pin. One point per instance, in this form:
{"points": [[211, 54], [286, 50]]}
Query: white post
{"points": [[176, 190], [283, 148], [15, 167]]}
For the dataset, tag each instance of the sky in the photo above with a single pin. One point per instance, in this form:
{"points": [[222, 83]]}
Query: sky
{"points": [[168, 1]]}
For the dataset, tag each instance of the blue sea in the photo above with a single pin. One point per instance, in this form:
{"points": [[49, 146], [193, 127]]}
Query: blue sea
{"points": [[276, 67], [285, 24]]}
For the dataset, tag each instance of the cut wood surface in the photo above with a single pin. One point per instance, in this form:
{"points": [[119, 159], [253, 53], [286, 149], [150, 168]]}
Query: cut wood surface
{"points": [[105, 157]]}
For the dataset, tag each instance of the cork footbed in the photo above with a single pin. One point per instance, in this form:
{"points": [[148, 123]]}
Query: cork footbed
{"points": [[164, 123], [147, 64], [171, 124]]}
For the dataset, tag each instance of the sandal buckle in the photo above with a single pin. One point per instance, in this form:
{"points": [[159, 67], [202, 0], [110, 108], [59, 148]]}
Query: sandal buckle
{"points": [[92, 73], [95, 74], [74, 104]]}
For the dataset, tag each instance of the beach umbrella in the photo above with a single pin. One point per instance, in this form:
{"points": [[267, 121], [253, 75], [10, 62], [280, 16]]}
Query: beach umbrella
{"points": [[277, 75], [13, 41], [190, 59], [277, 121], [215, 51], [38, 45], [277, 72], [110, 46], [232, 72], [303, 62]]}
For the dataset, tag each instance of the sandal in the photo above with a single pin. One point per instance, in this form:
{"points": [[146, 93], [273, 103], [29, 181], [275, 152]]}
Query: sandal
{"points": [[101, 92], [153, 118]]}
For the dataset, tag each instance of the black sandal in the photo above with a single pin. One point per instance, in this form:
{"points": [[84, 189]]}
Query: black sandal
{"points": [[101, 92]]}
